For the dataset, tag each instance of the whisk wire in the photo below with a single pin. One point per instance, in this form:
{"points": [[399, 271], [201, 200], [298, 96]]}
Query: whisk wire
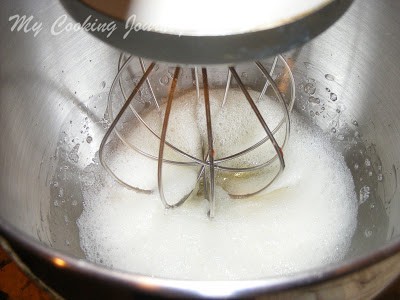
{"points": [[210, 144], [267, 83], [153, 96], [163, 137], [114, 124], [228, 85]]}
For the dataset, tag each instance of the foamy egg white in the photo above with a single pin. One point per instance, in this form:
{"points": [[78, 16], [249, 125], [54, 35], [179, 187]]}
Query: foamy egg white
{"points": [[305, 219]]}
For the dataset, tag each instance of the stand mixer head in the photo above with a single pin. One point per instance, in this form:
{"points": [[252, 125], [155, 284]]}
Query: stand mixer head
{"points": [[180, 37], [208, 32]]}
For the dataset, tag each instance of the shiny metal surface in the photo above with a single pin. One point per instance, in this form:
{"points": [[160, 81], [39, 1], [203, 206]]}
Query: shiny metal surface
{"points": [[207, 17], [48, 81], [206, 32]]}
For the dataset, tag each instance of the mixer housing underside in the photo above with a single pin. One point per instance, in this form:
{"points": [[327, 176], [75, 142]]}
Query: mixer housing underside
{"points": [[194, 49]]}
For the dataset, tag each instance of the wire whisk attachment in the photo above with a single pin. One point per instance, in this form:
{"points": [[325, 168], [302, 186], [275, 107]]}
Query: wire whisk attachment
{"points": [[182, 131]]}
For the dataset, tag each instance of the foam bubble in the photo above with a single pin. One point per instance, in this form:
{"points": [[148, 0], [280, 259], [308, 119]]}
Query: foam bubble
{"points": [[305, 219]]}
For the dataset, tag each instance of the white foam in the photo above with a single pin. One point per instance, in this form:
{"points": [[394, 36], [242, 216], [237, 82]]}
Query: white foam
{"points": [[305, 220]]}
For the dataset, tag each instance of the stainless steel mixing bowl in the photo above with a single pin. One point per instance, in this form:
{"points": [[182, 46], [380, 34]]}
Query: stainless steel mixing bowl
{"points": [[49, 80]]}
